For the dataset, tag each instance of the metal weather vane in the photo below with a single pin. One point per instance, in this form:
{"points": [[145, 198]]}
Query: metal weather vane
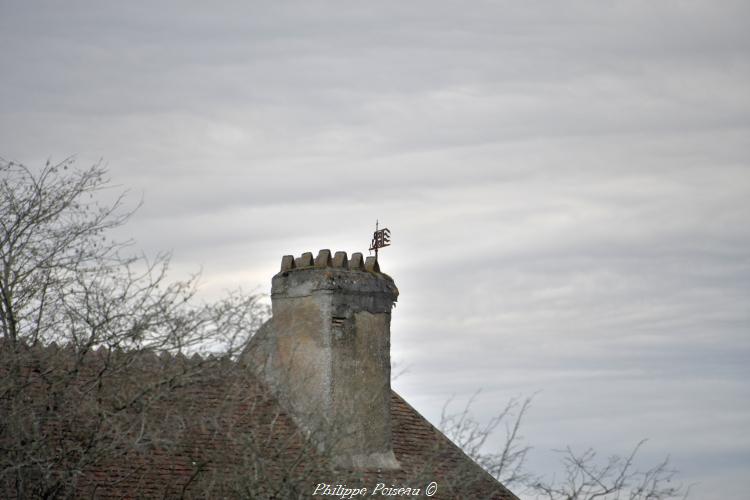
{"points": [[380, 238]]}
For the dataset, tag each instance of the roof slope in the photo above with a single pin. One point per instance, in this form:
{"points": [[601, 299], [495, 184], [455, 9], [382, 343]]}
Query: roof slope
{"points": [[171, 427]]}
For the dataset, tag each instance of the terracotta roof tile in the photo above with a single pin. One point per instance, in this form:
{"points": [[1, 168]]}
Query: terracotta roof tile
{"points": [[218, 433]]}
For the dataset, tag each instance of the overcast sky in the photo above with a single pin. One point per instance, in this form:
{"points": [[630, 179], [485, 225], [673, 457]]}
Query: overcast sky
{"points": [[567, 185]]}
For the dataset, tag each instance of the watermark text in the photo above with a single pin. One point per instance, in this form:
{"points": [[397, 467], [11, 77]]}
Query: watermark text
{"points": [[345, 492]]}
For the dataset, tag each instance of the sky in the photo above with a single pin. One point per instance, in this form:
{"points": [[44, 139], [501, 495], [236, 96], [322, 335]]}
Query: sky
{"points": [[567, 185]]}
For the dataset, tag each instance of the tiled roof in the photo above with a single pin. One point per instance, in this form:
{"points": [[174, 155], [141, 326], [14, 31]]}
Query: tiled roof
{"points": [[217, 432]]}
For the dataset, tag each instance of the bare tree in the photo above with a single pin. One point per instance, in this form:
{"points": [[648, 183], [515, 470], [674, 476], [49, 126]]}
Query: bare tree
{"points": [[51, 237], [508, 464], [583, 476], [79, 321], [617, 477]]}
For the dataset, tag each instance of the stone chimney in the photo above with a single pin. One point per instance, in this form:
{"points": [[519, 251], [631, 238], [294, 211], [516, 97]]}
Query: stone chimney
{"points": [[325, 353]]}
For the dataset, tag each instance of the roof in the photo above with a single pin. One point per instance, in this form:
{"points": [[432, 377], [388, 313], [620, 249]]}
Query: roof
{"points": [[134, 425]]}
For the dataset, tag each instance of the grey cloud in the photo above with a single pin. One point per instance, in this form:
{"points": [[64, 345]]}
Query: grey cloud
{"points": [[567, 185]]}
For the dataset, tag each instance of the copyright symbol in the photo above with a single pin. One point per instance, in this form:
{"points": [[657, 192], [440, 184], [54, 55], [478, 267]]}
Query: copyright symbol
{"points": [[431, 489]]}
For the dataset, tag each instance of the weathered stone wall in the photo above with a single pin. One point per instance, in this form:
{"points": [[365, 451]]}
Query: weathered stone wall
{"points": [[326, 353]]}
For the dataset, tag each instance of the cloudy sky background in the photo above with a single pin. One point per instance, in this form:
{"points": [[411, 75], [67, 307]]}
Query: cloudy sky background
{"points": [[567, 185]]}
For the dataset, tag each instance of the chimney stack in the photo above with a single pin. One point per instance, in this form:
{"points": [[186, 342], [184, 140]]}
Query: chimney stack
{"points": [[325, 353]]}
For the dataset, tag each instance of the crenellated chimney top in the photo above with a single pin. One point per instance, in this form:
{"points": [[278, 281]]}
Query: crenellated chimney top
{"points": [[326, 353]]}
